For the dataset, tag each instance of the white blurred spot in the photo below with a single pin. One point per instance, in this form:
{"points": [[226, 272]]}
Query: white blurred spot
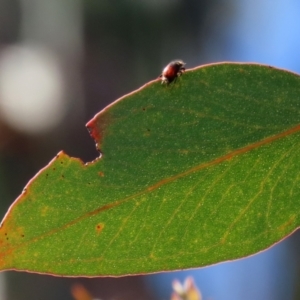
{"points": [[31, 88]]}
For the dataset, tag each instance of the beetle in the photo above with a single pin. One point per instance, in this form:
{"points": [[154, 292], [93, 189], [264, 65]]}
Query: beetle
{"points": [[173, 70]]}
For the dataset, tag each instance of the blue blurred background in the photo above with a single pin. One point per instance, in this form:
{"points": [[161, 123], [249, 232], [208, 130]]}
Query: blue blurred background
{"points": [[61, 61]]}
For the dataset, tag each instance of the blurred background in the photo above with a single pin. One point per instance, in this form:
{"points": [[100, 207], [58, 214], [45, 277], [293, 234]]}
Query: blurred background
{"points": [[62, 61]]}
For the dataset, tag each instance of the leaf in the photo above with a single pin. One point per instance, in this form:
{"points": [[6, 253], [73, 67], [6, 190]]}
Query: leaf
{"points": [[191, 174]]}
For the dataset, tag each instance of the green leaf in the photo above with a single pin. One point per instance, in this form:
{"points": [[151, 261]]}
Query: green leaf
{"points": [[191, 174]]}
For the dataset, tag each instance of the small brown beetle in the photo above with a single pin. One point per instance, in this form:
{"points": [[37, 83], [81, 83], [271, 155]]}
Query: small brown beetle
{"points": [[173, 70]]}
